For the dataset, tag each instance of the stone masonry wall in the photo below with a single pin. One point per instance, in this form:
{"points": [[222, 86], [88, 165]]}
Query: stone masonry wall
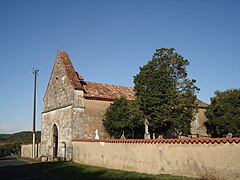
{"points": [[90, 119], [58, 110], [59, 92], [78, 111], [197, 126], [26, 150], [62, 118], [190, 157]]}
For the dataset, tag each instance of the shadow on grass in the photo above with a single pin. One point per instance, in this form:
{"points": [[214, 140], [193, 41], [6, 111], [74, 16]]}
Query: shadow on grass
{"points": [[70, 170], [13, 169]]}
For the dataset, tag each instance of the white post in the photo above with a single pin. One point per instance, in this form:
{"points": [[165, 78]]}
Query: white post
{"points": [[33, 147], [64, 150]]}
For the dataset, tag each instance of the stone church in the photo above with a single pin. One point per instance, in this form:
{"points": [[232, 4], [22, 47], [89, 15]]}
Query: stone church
{"points": [[74, 108]]}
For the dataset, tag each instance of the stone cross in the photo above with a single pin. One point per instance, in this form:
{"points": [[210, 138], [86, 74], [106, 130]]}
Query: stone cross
{"points": [[96, 136], [146, 135], [123, 136]]}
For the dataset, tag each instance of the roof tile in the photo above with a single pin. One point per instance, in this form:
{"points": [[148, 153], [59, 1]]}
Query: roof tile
{"points": [[71, 73], [165, 141], [201, 104], [106, 91]]}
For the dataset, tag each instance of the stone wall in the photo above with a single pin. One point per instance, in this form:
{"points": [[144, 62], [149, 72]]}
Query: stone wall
{"points": [[62, 118], [78, 110], [26, 150], [198, 126], [91, 118], [202, 158], [59, 92], [59, 101]]}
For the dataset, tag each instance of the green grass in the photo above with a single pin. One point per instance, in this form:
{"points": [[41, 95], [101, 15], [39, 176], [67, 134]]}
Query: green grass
{"points": [[71, 170]]}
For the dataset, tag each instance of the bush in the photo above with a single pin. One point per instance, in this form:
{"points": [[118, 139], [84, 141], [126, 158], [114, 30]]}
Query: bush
{"points": [[10, 149], [224, 113]]}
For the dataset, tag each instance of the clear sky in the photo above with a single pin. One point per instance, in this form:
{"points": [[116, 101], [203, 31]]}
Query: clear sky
{"points": [[108, 41]]}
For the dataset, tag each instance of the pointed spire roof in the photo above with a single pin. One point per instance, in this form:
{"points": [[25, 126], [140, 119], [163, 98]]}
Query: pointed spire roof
{"points": [[201, 104], [72, 75]]}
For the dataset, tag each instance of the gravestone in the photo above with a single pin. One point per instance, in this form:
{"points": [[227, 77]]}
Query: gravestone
{"points": [[154, 136], [123, 136], [229, 135]]}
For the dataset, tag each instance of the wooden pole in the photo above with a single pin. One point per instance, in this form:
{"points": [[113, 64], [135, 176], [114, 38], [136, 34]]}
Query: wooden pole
{"points": [[35, 71]]}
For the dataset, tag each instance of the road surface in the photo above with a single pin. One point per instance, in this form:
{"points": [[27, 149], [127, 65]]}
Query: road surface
{"points": [[13, 169]]}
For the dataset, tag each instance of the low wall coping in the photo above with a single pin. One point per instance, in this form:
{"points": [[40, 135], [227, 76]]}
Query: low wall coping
{"points": [[166, 141], [29, 144], [26, 144]]}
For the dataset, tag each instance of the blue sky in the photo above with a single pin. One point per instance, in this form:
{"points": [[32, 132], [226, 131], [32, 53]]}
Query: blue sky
{"points": [[108, 41]]}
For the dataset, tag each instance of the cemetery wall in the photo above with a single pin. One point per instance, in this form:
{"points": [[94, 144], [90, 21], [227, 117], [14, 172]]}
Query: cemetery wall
{"points": [[205, 158], [26, 150]]}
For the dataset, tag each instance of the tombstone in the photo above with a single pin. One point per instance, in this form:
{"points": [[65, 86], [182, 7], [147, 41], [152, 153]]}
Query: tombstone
{"points": [[96, 136], [146, 135], [122, 136], [180, 135], [160, 136], [229, 135], [154, 136]]}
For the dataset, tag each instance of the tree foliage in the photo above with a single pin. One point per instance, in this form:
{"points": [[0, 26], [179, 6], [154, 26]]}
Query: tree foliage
{"points": [[20, 137], [165, 94], [123, 115], [224, 113], [9, 149]]}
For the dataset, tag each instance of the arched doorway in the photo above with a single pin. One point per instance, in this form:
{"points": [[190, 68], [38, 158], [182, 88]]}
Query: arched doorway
{"points": [[55, 140]]}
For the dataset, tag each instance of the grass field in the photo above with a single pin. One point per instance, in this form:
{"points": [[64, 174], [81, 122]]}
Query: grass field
{"points": [[70, 170]]}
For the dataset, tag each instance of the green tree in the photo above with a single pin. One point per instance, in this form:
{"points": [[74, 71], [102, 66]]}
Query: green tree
{"points": [[165, 95], [224, 113], [20, 137], [9, 149], [11, 143], [123, 115]]}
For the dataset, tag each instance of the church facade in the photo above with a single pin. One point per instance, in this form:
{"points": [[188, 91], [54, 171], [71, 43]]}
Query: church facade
{"points": [[74, 108]]}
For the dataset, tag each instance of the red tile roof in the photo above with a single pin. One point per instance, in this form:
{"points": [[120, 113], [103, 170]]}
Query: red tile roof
{"points": [[107, 91], [165, 141], [201, 104], [71, 73]]}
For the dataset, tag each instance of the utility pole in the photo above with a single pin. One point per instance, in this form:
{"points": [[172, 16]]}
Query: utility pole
{"points": [[35, 73]]}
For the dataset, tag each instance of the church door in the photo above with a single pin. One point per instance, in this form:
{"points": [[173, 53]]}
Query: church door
{"points": [[55, 140]]}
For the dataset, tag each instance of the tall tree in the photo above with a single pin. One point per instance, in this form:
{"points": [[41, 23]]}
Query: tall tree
{"points": [[224, 113], [123, 115], [165, 95]]}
